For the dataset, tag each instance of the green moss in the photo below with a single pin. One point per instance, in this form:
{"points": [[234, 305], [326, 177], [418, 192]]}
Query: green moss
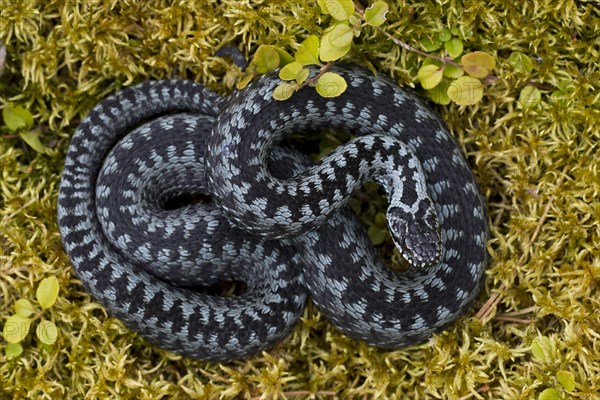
{"points": [[63, 57]]}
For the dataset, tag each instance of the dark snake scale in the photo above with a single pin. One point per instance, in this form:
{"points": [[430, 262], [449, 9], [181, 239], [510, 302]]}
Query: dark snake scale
{"points": [[276, 221]]}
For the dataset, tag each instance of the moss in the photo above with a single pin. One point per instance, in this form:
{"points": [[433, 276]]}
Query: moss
{"points": [[63, 57]]}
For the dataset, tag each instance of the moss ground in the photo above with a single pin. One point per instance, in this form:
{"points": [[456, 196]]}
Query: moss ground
{"points": [[538, 168]]}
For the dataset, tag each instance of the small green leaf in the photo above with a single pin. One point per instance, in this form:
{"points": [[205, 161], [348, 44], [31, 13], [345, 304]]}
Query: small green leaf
{"points": [[244, 81], [32, 138], [465, 91], [520, 62], [380, 220], [23, 308], [354, 21], [566, 379], [340, 10], [47, 292], [453, 72], [444, 35], [454, 47], [46, 331], [478, 64], [13, 350], [529, 97], [375, 14], [549, 394], [266, 59], [284, 57], [290, 71], [16, 328], [542, 349], [340, 35], [476, 71], [308, 51], [284, 91], [439, 94], [16, 118], [455, 31], [376, 235], [430, 76], [336, 42], [302, 75], [431, 46], [537, 351], [331, 84]]}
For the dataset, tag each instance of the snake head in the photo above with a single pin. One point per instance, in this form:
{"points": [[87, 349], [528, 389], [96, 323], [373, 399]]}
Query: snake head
{"points": [[416, 235]]}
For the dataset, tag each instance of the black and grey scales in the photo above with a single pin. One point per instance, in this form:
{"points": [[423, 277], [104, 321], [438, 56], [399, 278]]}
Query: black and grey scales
{"points": [[159, 140]]}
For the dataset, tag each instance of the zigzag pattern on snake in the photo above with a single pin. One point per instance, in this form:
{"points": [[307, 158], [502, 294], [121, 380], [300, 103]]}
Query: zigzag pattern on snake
{"points": [[146, 262]]}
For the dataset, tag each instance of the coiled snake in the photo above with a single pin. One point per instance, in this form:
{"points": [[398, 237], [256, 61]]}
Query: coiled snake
{"points": [[274, 221]]}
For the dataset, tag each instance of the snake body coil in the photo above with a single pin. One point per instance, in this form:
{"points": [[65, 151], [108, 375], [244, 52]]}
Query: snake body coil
{"points": [[147, 262]]}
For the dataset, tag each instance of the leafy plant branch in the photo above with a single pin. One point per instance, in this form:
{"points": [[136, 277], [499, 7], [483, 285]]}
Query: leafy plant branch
{"points": [[17, 326], [443, 59], [447, 76]]}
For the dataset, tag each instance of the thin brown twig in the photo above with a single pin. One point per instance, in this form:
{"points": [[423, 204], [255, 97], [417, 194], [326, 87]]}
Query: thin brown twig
{"points": [[314, 79], [524, 311], [446, 60], [512, 316], [494, 299], [513, 319], [540, 86]]}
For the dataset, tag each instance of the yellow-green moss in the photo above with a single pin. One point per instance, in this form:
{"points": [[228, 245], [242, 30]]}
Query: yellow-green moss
{"points": [[63, 57]]}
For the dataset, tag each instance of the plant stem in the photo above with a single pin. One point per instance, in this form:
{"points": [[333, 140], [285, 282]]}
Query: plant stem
{"points": [[488, 80], [446, 60], [313, 81]]}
